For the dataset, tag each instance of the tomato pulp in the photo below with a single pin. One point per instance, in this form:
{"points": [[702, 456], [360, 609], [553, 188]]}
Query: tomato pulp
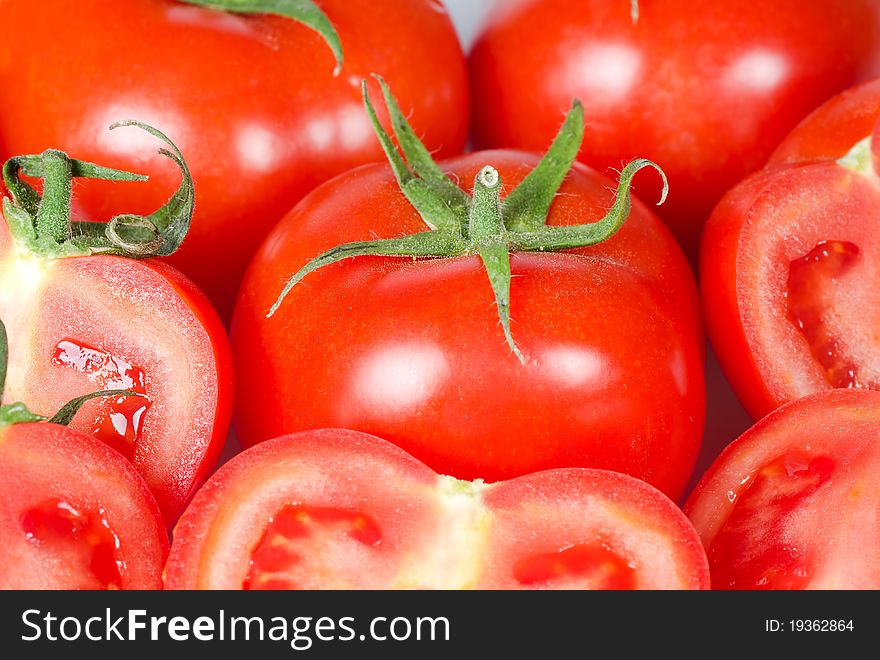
{"points": [[789, 262]]}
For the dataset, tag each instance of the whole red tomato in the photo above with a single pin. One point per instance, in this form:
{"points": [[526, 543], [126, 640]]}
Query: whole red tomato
{"points": [[602, 366], [252, 101], [334, 509], [706, 89], [792, 503], [790, 262]]}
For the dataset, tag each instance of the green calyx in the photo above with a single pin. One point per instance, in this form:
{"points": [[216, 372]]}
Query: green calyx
{"points": [[18, 413], [302, 11], [461, 224], [42, 223], [634, 11]]}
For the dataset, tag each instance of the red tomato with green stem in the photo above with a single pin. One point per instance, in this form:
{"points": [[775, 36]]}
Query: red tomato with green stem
{"points": [[403, 336], [86, 309], [74, 514], [251, 98], [792, 504], [334, 509], [705, 89], [789, 264]]}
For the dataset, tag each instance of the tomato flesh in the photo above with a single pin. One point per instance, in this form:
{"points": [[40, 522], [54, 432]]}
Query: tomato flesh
{"points": [[743, 557], [84, 538], [792, 503], [592, 564], [118, 421], [809, 298], [74, 514], [326, 535]]}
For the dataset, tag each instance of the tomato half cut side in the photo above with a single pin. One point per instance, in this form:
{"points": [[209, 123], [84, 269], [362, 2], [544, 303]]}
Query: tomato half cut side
{"points": [[588, 529], [341, 509], [319, 510], [792, 504], [789, 266], [78, 325], [74, 514]]}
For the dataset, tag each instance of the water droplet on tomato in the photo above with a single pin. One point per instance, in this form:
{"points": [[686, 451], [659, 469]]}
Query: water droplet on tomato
{"points": [[118, 421]]}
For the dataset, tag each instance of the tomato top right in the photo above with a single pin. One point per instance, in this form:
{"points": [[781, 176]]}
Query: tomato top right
{"points": [[706, 89]]}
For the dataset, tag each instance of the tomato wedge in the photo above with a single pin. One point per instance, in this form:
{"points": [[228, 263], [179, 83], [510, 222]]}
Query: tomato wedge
{"points": [[74, 514], [792, 504], [333, 509]]}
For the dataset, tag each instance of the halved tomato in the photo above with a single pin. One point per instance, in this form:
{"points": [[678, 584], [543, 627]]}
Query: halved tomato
{"points": [[74, 514], [788, 271], [792, 504], [341, 509]]}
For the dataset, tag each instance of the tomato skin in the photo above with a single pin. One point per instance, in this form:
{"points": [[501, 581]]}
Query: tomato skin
{"points": [[145, 313], [252, 103], [706, 89], [831, 523], [45, 462], [433, 532], [413, 352], [833, 128]]}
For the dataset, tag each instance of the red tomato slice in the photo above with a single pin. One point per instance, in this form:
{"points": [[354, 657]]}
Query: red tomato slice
{"points": [[78, 325], [792, 504], [341, 509], [252, 102], [789, 266], [74, 514]]}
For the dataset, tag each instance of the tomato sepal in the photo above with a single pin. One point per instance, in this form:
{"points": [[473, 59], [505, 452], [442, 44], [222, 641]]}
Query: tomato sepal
{"points": [[301, 11], [42, 223], [480, 224]]}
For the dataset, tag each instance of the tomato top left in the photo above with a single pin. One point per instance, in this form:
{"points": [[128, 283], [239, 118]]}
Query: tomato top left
{"points": [[251, 100]]}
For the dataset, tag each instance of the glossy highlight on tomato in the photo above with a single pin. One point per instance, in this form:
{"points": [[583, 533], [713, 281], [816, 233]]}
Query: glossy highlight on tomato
{"points": [[705, 89], [251, 100], [412, 350], [792, 503], [74, 514], [335, 509]]}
